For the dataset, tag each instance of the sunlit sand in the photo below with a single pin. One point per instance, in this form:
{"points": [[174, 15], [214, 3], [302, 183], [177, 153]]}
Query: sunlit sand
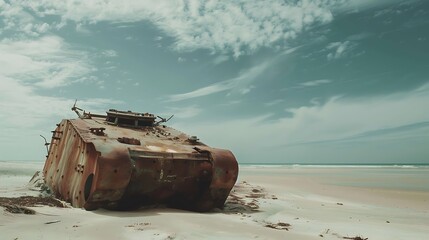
{"points": [[268, 202]]}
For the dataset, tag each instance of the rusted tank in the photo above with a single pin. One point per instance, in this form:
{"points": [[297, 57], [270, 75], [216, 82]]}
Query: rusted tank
{"points": [[125, 160]]}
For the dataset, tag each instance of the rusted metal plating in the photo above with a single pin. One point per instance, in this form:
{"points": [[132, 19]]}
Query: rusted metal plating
{"points": [[124, 160]]}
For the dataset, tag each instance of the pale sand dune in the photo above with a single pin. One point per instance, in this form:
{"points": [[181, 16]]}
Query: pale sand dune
{"points": [[305, 198]]}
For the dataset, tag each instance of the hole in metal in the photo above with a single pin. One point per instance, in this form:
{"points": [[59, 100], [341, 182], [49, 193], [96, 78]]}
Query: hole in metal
{"points": [[88, 186]]}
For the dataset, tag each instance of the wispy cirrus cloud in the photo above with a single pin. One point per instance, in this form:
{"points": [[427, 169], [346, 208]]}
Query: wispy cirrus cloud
{"points": [[338, 119], [274, 102], [360, 5], [339, 49], [109, 53], [46, 62], [240, 84], [315, 83], [204, 91]]}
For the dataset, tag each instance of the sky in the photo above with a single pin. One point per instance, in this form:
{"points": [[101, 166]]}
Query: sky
{"points": [[292, 81]]}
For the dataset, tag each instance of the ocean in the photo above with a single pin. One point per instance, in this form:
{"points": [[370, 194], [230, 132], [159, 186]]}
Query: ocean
{"points": [[410, 177]]}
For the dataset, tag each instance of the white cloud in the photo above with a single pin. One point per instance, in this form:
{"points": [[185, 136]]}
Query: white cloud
{"points": [[231, 103], [237, 27], [17, 20], [315, 83], [312, 83], [31, 59], [181, 59], [214, 88], [340, 118], [109, 53], [46, 62], [246, 90], [220, 59], [43, 28], [240, 84], [339, 49], [336, 119], [359, 36], [274, 102], [82, 29], [22, 108], [423, 88], [361, 5], [26, 115], [26, 65]]}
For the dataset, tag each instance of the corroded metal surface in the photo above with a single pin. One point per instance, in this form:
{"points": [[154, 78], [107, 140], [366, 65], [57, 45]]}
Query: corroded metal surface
{"points": [[125, 160]]}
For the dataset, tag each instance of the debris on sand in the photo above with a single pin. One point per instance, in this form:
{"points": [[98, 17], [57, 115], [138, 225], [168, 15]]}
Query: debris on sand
{"points": [[56, 221], [279, 226], [18, 209], [355, 238], [20, 204]]}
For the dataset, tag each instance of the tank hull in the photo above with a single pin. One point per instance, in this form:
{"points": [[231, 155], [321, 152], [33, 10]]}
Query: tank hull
{"points": [[92, 164]]}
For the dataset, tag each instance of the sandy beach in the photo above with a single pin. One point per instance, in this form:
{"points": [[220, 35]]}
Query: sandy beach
{"points": [[268, 202]]}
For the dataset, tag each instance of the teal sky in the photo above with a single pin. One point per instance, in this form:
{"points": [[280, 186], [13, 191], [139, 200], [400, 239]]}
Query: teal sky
{"points": [[311, 81]]}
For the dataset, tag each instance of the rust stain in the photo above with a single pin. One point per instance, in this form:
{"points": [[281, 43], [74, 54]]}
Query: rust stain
{"points": [[124, 160]]}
